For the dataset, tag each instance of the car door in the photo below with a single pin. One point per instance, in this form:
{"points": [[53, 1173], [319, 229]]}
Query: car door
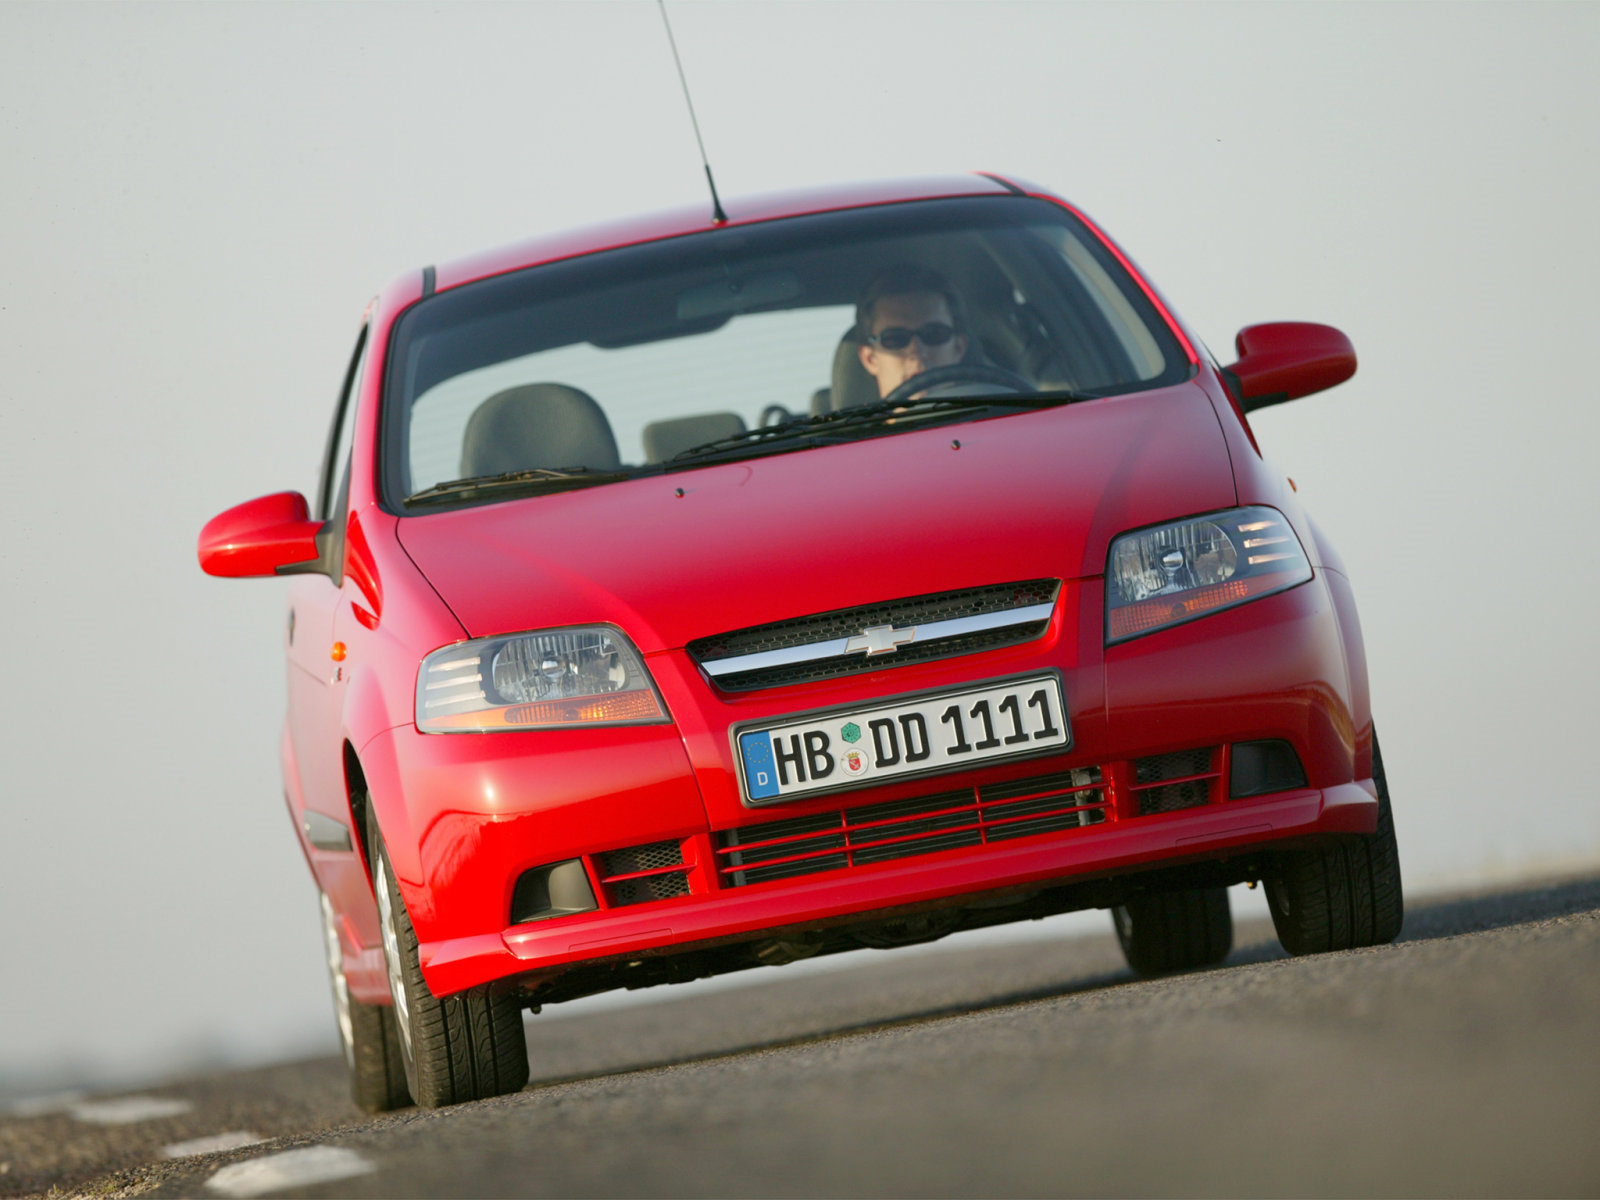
{"points": [[313, 599]]}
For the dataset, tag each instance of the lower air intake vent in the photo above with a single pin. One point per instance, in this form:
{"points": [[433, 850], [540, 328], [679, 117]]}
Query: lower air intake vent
{"points": [[641, 858], [876, 833], [1161, 767], [1171, 797], [640, 874], [1170, 782], [653, 887]]}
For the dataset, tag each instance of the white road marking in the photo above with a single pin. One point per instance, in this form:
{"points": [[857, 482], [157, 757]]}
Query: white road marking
{"points": [[40, 1106], [126, 1110], [212, 1145], [291, 1169]]}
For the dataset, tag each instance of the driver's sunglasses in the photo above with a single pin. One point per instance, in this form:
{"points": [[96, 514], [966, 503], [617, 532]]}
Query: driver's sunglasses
{"points": [[934, 333]]}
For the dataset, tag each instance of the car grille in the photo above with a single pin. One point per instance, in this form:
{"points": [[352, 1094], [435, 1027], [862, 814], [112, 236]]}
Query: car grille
{"points": [[814, 647], [871, 833], [639, 874], [1169, 782]]}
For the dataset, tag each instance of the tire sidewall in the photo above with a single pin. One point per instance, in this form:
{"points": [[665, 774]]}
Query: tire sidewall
{"points": [[404, 975]]}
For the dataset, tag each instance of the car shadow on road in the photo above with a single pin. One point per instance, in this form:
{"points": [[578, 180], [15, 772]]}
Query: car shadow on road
{"points": [[708, 1021], [1448, 916]]}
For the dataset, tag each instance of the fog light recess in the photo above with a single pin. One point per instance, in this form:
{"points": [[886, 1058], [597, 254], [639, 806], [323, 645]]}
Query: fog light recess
{"points": [[1260, 768], [552, 891]]}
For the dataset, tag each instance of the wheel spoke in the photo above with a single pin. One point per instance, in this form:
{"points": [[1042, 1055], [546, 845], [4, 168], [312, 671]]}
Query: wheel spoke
{"points": [[341, 985], [391, 958]]}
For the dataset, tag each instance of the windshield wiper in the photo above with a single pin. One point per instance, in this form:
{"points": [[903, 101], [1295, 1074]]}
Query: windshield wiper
{"points": [[815, 431], [531, 481], [871, 414], [804, 431]]}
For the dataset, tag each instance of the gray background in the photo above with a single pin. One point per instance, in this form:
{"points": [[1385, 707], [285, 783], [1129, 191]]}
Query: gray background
{"points": [[196, 203]]}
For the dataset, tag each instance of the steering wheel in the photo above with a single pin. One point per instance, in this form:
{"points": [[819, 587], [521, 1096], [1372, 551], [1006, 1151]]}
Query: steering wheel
{"points": [[957, 373]]}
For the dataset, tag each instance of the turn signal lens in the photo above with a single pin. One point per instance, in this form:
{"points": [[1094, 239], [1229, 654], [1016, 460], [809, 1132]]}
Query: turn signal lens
{"points": [[549, 679], [1174, 573]]}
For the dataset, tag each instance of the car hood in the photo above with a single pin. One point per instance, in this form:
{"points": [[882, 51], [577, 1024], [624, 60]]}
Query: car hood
{"points": [[696, 552]]}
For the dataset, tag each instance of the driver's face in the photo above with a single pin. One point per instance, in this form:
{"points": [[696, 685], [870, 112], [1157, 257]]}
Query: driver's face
{"points": [[891, 368]]}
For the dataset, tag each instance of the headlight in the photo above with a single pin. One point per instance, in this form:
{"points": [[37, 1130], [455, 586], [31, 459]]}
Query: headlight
{"points": [[553, 678], [1174, 573]]}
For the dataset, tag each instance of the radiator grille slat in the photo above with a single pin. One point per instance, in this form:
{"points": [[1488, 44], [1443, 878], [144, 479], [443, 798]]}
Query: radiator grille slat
{"points": [[893, 850], [875, 833], [1050, 824], [789, 849]]}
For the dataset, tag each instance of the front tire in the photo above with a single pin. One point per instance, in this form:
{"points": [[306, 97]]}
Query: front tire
{"points": [[367, 1031], [1175, 931], [468, 1046], [1346, 895]]}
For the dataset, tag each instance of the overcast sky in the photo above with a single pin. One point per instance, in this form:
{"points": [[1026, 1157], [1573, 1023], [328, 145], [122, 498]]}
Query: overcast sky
{"points": [[196, 203]]}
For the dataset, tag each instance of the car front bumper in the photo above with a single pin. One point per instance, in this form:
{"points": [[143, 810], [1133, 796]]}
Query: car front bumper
{"points": [[772, 909]]}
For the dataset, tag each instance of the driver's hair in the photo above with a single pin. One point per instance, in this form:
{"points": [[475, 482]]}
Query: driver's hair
{"points": [[907, 279]]}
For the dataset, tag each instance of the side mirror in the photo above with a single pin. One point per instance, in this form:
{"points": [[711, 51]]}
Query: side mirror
{"points": [[272, 535], [1286, 360]]}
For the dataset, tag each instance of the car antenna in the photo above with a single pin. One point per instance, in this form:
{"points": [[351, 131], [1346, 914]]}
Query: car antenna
{"points": [[717, 215]]}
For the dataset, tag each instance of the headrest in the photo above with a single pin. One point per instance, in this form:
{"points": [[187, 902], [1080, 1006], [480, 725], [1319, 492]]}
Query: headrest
{"points": [[663, 439], [537, 425], [852, 386]]}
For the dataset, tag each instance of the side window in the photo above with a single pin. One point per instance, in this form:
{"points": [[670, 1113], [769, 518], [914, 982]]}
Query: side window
{"points": [[336, 460]]}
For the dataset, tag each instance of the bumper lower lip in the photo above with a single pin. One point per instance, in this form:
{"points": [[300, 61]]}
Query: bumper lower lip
{"points": [[1350, 808]]}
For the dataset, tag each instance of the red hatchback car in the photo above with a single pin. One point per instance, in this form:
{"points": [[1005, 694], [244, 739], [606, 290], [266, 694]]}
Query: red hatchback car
{"points": [[684, 596]]}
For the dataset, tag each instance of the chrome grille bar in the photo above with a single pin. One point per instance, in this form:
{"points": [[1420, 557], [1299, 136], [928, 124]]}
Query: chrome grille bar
{"points": [[838, 647]]}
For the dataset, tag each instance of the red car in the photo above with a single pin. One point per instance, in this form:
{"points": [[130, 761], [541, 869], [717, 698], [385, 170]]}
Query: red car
{"points": [[687, 595]]}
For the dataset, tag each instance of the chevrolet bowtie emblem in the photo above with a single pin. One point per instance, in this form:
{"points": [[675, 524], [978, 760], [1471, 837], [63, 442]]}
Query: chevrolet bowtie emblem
{"points": [[880, 639]]}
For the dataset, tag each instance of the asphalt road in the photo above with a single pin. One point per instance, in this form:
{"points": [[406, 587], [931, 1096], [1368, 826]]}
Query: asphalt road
{"points": [[1463, 1060]]}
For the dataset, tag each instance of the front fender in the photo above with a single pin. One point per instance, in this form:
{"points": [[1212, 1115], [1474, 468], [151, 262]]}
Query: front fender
{"points": [[386, 802]]}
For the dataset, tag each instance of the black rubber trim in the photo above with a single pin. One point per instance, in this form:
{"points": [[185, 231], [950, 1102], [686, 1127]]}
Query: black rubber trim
{"points": [[427, 282], [1254, 403], [329, 467], [328, 541], [1003, 182], [1230, 380]]}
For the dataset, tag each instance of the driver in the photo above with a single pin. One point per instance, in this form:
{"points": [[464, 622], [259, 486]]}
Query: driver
{"points": [[909, 320]]}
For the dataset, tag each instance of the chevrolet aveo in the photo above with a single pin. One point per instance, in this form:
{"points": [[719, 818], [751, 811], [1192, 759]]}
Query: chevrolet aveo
{"points": [[687, 595]]}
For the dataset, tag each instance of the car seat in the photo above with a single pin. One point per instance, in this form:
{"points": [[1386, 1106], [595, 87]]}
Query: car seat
{"points": [[537, 425], [664, 439]]}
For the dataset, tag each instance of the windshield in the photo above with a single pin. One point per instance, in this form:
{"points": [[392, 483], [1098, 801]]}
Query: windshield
{"points": [[754, 340]]}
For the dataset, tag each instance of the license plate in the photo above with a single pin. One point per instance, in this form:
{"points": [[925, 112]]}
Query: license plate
{"points": [[942, 731]]}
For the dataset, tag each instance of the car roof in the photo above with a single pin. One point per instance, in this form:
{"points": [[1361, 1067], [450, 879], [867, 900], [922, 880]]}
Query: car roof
{"points": [[741, 210]]}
